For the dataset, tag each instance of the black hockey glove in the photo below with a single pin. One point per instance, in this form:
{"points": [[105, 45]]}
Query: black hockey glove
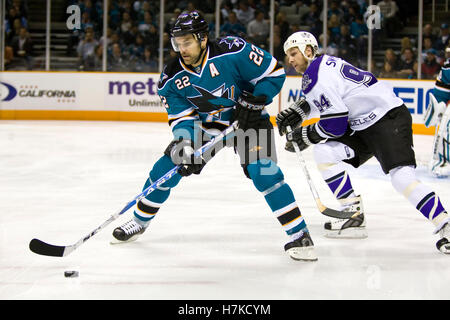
{"points": [[303, 136], [248, 110], [181, 153], [293, 116]]}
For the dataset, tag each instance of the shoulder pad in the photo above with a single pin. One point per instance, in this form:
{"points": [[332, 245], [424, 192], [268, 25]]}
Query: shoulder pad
{"points": [[311, 74], [229, 44], [170, 69]]}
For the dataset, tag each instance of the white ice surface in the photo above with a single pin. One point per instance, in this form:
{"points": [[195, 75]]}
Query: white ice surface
{"points": [[215, 238]]}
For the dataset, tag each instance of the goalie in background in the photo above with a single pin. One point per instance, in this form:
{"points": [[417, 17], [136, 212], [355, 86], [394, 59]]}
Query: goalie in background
{"points": [[438, 115], [360, 118]]}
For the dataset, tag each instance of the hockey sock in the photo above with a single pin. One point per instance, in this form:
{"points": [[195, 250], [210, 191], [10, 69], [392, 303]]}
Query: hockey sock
{"points": [[329, 158], [278, 196], [340, 185], [420, 195], [147, 207]]}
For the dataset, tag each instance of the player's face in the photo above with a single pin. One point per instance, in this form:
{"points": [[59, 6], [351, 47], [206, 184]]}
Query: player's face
{"points": [[190, 48], [298, 60]]}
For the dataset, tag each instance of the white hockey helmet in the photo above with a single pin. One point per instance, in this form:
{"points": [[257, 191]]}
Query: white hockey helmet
{"points": [[301, 40]]}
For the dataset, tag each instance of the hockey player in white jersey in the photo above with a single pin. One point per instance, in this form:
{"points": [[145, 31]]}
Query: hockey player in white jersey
{"points": [[360, 117], [438, 115]]}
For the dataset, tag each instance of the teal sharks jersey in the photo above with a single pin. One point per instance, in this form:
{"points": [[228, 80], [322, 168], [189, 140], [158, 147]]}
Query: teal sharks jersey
{"points": [[442, 87], [206, 95]]}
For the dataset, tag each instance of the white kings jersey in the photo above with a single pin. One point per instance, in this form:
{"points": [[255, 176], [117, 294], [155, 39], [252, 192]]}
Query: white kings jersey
{"points": [[345, 95]]}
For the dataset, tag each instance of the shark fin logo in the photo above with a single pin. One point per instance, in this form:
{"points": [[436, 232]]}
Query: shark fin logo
{"points": [[7, 94]]}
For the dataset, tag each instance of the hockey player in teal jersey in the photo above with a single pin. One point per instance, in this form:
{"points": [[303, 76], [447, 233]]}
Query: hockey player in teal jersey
{"points": [[438, 115], [208, 87]]}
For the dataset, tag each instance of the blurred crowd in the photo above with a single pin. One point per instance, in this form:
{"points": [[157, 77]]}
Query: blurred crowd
{"points": [[18, 43], [132, 39]]}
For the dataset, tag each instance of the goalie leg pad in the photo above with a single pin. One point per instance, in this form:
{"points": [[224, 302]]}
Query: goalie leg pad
{"points": [[440, 162], [434, 112]]}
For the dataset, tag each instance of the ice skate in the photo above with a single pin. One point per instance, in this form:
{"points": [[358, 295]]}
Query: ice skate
{"points": [[353, 228], [443, 245], [440, 171], [127, 232], [301, 249]]}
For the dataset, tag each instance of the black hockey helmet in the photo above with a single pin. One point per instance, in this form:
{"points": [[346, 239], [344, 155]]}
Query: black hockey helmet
{"points": [[189, 23]]}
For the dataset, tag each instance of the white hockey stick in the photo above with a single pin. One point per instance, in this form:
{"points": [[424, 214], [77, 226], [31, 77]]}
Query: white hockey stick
{"points": [[323, 209]]}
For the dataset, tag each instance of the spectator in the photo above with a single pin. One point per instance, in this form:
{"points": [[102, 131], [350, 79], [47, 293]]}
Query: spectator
{"points": [[388, 9], [114, 15], [9, 55], [22, 47], [334, 9], [86, 7], [345, 44], [387, 71], [126, 23], [391, 58], [301, 8], [358, 32], [427, 45], [98, 58], [12, 15], [86, 51], [264, 6], [350, 15], [225, 9], [406, 44], [244, 13], [428, 33], [278, 51], [147, 63], [258, 29], [13, 32], [233, 26], [281, 22], [129, 36], [334, 27], [408, 65], [151, 37], [144, 26], [116, 61], [443, 39], [430, 67], [136, 50], [312, 19]]}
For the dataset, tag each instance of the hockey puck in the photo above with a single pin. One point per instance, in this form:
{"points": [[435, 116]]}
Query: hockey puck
{"points": [[71, 274]]}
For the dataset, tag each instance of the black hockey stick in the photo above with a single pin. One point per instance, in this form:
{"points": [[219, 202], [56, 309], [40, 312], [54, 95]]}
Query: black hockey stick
{"points": [[323, 209], [46, 249]]}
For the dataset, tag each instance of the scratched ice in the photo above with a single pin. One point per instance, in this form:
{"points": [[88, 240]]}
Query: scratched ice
{"points": [[214, 239]]}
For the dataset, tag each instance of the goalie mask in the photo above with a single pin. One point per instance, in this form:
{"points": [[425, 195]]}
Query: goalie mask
{"points": [[301, 40], [189, 23]]}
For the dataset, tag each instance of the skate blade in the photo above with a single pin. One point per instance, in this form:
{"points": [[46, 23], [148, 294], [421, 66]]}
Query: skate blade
{"points": [[445, 248], [302, 254], [349, 233], [115, 241]]}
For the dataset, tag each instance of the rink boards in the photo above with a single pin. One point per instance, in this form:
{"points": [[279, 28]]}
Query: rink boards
{"points": [[133, 96]]}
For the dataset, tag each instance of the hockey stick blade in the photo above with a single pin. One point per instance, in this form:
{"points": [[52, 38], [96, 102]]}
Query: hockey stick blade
{"points": [[323, 209], [40, 247], [336, 213]]}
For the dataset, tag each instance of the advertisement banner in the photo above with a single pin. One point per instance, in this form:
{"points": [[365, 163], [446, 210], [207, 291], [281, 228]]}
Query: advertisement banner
{"points": [[414, 93], [133, 96]]}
